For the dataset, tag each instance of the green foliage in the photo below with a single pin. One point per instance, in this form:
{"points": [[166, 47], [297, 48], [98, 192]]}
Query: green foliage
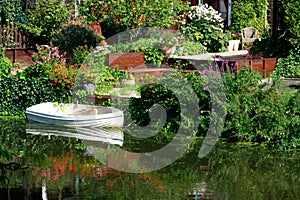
{"points": [[291, 21], [73, 36], [249, 13], [45, 60], [191, 48], [270, 46], [81, 53], [289, 66], [5, 66], [44, 20], [205, 25], [4, 155], [118, 16], [268, 116], [108, 79], [153, 93], [98, 75], [11, 11], [153, 55], [91, 11], [18, 94], [150, 46]]}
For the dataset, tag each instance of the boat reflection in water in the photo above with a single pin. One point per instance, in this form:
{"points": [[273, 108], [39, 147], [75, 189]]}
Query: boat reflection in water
{"points": [[89, 135], [92, 137]]}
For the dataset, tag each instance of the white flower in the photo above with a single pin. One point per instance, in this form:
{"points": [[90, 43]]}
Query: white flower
{"points": [[204, 12]]}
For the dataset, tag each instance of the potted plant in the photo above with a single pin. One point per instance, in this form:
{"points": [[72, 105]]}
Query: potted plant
{"points": [[234, 41], [168, 43]]}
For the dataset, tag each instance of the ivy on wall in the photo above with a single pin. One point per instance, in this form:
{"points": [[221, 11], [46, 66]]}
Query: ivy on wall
{"points": [[250, 13]]}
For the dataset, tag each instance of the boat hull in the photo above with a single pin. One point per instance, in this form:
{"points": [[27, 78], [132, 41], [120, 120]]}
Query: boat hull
{"points": [[75, 115]]}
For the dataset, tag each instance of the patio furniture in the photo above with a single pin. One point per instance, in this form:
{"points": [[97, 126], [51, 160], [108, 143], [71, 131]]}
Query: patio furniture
{"points": [[249, 35]]}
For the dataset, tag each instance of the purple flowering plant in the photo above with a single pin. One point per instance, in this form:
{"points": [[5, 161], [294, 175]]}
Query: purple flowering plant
{"points": [[45, 59]]}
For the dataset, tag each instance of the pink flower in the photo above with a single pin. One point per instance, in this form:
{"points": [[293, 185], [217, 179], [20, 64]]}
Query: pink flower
{"points": [[37, 169], [43, 173], [247, 55], [206, 87], [204, 72], [14, 71]]}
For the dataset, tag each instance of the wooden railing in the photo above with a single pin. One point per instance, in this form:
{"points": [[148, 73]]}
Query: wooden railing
{"points": [[12, 38]]}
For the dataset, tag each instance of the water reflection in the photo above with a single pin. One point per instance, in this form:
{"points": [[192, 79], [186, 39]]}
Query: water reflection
{"points": [[62, 167], [87, 134]]}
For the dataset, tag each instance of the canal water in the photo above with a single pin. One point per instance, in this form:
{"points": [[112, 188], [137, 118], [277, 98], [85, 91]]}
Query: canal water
{"points": [[45, 166]]}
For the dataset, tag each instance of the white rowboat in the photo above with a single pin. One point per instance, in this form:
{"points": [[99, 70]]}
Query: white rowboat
{"points": [[75, 115]]}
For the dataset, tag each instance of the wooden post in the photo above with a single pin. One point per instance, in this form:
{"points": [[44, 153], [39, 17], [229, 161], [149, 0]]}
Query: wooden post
{"points": [[15, 42]]}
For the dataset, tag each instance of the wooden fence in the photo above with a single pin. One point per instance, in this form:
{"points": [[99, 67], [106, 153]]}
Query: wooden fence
{"points": [[13, 40]]}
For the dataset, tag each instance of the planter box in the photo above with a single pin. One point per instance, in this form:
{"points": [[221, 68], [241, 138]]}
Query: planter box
{"points": [[264, 66], [126, 61], [292, 81], [156, 72]]}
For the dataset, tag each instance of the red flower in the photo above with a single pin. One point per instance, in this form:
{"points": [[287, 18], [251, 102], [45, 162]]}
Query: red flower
{"points": [[56, 167], [162, 188], [55, 81], [72, 168], [68, 86]]}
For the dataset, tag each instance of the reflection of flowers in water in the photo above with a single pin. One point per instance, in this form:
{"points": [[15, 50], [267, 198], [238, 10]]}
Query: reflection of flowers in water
{"points": [[62, 165]]}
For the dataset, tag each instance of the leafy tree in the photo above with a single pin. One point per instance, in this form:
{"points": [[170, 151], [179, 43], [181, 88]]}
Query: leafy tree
{"points": [[249, 13], [11, 11], [291, 21], [44, 20], [127, 14]]}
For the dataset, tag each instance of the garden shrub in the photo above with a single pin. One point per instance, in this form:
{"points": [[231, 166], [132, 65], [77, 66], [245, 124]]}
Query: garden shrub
{"points": [[150, 46], [249, 13], [81, 53], [205, 25], [191, 48], [154, 93], [73, 36], [49, 63], [290, 21], [17, 94], [5, 66], [258, 115], [11, 11], [9, 69], [289, 66], [44, 20], [119, 16], [270, 47], [45, 60]]}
